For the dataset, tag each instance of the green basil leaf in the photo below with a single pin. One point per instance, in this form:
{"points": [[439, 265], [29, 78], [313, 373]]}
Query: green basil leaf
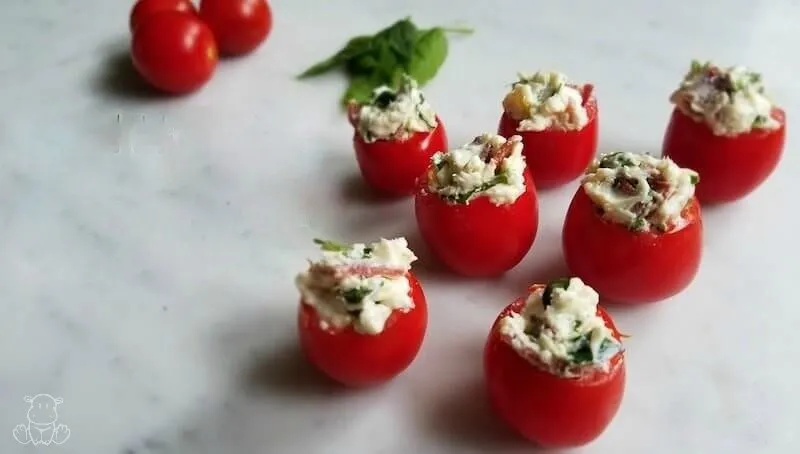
{"points": [[354, 48], [430, 52], [361, 88], [332, 246]]}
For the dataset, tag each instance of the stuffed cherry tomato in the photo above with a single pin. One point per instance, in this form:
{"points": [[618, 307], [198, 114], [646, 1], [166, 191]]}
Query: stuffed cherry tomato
{"points": [[362, 314], [557, 121], [725, 127], [633, 230], [396, 133], [554, 365], [477, 208]]}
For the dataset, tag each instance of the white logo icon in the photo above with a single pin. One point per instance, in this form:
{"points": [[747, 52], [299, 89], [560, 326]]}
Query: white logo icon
{"points": [[42, 417]]}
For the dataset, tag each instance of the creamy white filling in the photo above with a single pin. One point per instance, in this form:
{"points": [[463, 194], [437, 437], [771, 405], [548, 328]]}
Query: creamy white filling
{"points": [[730, 101], [640, 191], [359, 285], [490, 166], [395, 114], [559, 329], [546, 100]]}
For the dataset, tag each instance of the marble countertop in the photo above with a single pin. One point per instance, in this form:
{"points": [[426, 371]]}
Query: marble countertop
{"points": [[148, 246]]}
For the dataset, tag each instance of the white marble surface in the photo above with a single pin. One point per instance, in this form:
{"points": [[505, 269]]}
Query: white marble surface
{"points": [[147, 247]]}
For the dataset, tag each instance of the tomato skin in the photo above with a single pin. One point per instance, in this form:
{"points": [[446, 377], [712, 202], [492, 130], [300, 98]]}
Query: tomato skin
{"points": [[626, 267], [360, 360], [730, 168], [551, 411], [145, 8], [174, 51], [557, 157], [239, 26], [478, 239], [392, 167]]}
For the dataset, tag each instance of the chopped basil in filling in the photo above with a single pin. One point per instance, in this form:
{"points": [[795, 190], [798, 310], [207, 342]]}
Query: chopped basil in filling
{"points": [[358, 284], [730, 101], [490, 165], [395, 114], [639, 191], [560, 330]]}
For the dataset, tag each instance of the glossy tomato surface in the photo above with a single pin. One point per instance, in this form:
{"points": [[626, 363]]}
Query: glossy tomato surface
{"points": [[392, 167], [557, 157], [551, 411], [358, 360], [174, 51], [146, 8], [730, 167], [627, 267], [239, 26], [478, 239]]}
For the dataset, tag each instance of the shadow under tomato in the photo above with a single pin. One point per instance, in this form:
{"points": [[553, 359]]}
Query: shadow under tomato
{"points": [[355, 190], [285, 371], [117, 77], [464, 417]]}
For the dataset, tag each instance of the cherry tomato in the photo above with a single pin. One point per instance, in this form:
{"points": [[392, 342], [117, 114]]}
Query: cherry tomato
{"points": [[359, 360], [730, 167], [550, 410], [146, 8], [631, 267], [557, 157], [392, 167], [478, 239], [174, 51], [239, 26]]}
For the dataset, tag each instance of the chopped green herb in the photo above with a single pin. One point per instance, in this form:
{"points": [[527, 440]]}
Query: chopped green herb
{"points": [[759, 121], [355, 295], [371, 61], [584, 355], [547, 296], [696, 66], [384, 98], [332, 246], [615, 160], [638, 224], [466, 196], [695, 179], [367, 252]]}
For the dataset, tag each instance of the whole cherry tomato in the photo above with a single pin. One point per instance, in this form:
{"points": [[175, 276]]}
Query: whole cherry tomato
{"points": [[239, 26], [626, 266], [478, 238], [145, 8], [554, 156], [360, 360], [730, 167], [392, 167], [552, 411], [174, 51]]}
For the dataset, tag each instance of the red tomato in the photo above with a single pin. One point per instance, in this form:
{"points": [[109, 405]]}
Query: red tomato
{"points": [[174, 51], [552, 411], [557, 157], [729, 167], [357, 360], [479, 239], [146, 8], [239, 26], [393, 166], [629, 267]]}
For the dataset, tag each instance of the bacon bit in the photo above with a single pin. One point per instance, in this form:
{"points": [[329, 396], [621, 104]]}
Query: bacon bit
{"points": [[587, 91], [496, 155], [353, 109], [625, 185], [658, 184], [337, 272]]}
